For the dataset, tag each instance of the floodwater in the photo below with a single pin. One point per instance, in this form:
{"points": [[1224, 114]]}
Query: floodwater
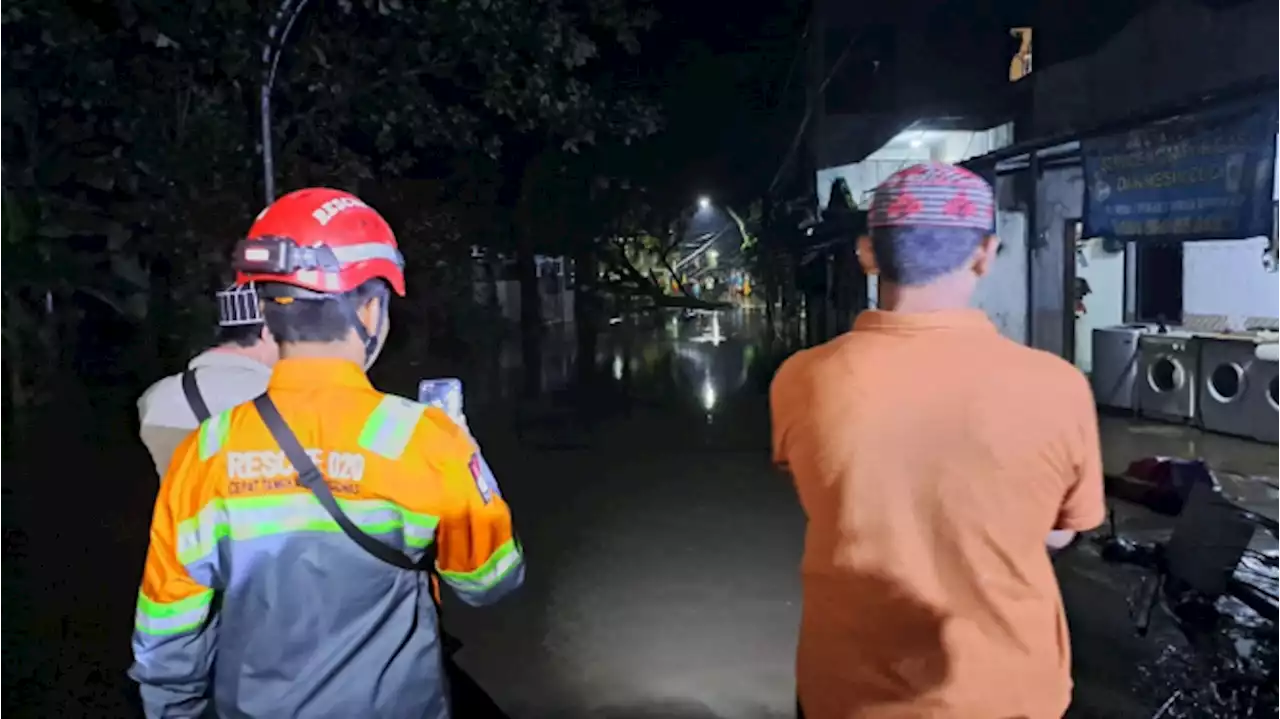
{"points": [[662, 546]]}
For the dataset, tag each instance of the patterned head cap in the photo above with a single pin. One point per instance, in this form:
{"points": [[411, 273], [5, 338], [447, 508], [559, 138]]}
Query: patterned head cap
{"points": [[933, 194]]}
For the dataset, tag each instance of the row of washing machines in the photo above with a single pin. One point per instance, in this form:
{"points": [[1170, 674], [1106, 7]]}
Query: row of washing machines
{"points": [[1224, 383]]}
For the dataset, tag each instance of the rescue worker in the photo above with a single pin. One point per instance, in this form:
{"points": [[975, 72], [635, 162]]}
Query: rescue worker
{"points": [[937, 463], [296, 538], [233, 371]]}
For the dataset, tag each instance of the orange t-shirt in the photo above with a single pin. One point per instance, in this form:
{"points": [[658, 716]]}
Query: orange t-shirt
{"points": [[932, 458]]}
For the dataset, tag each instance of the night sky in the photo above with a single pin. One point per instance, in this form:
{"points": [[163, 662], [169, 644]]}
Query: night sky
{"points": [[721, 74]]}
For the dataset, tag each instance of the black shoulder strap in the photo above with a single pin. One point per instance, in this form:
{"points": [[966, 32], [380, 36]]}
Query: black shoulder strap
{"points": [[310, 477], [192, 391]]}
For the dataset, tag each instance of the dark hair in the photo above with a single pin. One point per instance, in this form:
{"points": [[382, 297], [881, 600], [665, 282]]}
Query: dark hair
{"points": [[319, 320], [239, 335], [920, 254]]}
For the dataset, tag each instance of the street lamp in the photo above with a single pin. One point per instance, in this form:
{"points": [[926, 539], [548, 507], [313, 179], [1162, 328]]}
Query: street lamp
{"points": [[704, 203], [277, 34]]}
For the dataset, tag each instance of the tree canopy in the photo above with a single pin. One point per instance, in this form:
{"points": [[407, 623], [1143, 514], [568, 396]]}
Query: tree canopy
{"points": [[130, 133]]}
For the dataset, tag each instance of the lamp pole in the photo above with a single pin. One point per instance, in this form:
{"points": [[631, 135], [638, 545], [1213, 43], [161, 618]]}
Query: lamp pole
{"points": [[277, 34]]}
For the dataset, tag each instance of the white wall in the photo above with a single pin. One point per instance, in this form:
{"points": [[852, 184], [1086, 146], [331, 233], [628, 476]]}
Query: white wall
{"points": [[1002, 294], [1226, 279]]}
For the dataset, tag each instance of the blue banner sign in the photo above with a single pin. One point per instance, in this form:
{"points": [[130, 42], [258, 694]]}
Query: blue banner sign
{"points": [[1202, 176]]}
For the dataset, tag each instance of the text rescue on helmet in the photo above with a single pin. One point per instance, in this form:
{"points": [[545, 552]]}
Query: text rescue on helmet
{"points": [[320, 266]]}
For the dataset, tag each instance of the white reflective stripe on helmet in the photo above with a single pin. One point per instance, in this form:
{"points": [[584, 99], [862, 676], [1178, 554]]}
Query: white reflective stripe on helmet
{"points": [[330, 282], [350, 254]]}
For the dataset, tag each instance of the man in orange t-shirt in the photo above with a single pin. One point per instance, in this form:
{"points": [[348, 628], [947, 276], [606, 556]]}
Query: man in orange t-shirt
{"points": [[935, 460]]}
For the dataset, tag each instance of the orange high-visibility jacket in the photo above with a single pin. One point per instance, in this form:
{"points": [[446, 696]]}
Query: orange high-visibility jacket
{"points": [[253, 599]]}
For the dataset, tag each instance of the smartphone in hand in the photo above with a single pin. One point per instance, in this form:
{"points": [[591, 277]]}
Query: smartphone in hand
{"points": [[444, 393]]}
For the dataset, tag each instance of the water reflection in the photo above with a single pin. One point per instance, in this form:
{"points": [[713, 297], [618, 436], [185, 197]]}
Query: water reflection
{"points": [[693, 359], [713, 333], [701, 359], [708, 395]]}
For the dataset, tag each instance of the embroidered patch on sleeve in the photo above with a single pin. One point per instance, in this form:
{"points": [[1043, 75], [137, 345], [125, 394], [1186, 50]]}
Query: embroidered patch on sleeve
{"points": [[485, 482]]}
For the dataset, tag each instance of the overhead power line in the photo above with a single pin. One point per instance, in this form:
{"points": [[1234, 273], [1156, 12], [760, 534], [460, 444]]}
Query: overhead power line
{"points": [[795, 59], [808, 112]]}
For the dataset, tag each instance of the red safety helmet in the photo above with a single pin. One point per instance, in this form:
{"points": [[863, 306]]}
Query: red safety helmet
{"points": [[322, 242]]}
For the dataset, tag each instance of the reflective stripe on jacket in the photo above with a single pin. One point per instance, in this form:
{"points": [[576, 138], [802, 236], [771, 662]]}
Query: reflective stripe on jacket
{"points": [[254, 599]]}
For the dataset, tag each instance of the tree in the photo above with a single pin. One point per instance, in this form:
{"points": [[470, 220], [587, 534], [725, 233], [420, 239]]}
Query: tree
{"points": [[470, 74], [130, 131], [512, 73], [101, 121]]}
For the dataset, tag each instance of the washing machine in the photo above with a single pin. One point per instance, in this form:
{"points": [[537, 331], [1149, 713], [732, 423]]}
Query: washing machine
{"points": [[1114, 371], [1225, 384], [1167, 371], [1262, 405]]}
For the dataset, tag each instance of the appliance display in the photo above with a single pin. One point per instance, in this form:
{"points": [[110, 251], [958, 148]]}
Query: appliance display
{"points": [[1261, 404], [1167, 372], [1114, 370], [1225, 385]]}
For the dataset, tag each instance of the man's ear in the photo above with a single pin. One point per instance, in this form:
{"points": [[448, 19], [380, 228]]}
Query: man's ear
{"points": [[867, 256], [985, 255]]}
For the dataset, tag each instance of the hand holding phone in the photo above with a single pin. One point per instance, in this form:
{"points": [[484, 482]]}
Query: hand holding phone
{"points": [[444, 393]]}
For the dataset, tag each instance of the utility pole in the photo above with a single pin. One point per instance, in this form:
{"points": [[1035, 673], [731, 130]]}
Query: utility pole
{"points": [[277, 35]]}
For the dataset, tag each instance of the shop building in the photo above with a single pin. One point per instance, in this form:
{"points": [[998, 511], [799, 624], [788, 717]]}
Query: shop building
{"points": [[1144, 202]]}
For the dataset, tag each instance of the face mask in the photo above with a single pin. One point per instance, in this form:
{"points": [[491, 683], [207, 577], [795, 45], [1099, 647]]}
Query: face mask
{"points": [[378, 340], [372, 356]]}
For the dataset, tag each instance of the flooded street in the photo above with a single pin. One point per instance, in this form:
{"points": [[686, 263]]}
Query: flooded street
{"points": [[662, 547]]}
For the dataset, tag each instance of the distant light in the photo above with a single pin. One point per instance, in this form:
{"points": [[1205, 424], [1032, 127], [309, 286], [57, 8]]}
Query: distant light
{"points": [[916, 143], [713, 254], [708, 395], [704, 202]]}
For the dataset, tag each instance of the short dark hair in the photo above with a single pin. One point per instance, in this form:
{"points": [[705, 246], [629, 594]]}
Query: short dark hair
{"points": [[239, 335], [920, 254], [306, 320]]}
